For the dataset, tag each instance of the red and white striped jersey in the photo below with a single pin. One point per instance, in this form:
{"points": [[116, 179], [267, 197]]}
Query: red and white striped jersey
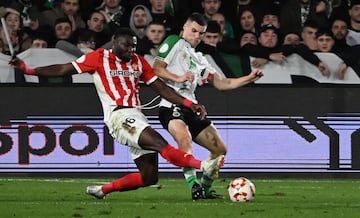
{"points": [[116, 81]]}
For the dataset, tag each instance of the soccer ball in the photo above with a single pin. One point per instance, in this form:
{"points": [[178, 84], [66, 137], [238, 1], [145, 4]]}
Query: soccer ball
{"points": [[241, 190]]}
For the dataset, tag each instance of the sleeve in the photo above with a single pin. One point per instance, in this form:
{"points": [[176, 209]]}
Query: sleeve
{"points": [[148, 76], [87, 62], [208, 72], [167, 49]]}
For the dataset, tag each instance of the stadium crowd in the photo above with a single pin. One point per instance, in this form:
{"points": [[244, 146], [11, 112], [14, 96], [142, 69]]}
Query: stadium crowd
{"points": [[241, 34]]}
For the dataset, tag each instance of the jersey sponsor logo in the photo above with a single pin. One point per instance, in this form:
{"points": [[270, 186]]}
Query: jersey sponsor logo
{"points": [[164, 48], [125, 73]]}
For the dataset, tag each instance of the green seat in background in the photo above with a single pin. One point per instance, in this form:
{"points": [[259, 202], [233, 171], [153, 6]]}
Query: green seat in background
{"points": [[233, 61]]}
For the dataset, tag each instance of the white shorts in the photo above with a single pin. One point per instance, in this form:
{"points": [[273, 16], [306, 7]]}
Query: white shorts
{"points": [[126, 125]]}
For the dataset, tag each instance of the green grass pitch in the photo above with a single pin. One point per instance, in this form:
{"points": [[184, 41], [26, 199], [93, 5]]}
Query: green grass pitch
{"points": [[65, 197]]}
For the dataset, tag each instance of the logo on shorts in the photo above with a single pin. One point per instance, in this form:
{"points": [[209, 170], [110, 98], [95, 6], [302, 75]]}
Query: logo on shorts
{"points": [[185, 155], [176, 112]]}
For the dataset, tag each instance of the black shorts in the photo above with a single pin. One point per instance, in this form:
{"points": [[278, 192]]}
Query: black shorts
{"points": [[194, 122]]}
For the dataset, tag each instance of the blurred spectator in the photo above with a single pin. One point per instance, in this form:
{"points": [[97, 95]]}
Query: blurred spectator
{"points": [[292, 38], [271, 16], [246, 38], [226, 27], [308, 34], [68, 9], [155, 33], [39, 42], [86, 40], [20, 40], [212, 34], [210, 7], [62, 30], [353, 37], [294, 14], [247, 21], [208, 46], [340, 30], [96, 23], [31, 16], [159, 14], [139, 19], [325, 42], [232, 9], [269, 49], [114, 14]]}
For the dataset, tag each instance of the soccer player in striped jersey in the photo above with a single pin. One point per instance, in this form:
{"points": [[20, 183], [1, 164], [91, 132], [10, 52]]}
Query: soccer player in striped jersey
{"points": [[183, 69], [117, 73]]}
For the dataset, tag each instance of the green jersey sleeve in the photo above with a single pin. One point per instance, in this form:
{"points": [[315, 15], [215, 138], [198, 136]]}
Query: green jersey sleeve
{"points": [[166, 46]]}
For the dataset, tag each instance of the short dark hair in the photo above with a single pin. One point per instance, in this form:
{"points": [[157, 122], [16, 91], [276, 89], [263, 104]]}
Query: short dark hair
{"points": [[198, 18], [86, 35], [269, 26], [213, 27], [62, 20], [322, 32], [311, 23], [354, 2], [156, 23], [124, 31]]}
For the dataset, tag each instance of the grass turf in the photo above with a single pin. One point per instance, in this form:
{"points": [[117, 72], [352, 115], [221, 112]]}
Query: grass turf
{"points": [[35, 197]]}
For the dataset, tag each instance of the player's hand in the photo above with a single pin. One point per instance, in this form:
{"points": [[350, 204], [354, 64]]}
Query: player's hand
{"points": [[255, 74], [199, 108], [188, 76]]}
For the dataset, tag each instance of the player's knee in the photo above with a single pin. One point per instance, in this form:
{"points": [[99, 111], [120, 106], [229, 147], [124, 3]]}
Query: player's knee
{"points": [[220, 150]]}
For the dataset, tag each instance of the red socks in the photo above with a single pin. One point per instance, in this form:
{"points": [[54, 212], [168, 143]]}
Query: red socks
{"points": [[179, 158], [134, 181], [131, 181]]}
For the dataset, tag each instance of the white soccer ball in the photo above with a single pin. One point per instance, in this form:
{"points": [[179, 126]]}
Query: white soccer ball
{"points": [[241, 190]]}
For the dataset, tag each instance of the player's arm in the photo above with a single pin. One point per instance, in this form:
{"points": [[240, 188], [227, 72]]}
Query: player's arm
{"points": [[172, 96], [161, 71], [233, 83], [47, 71]]}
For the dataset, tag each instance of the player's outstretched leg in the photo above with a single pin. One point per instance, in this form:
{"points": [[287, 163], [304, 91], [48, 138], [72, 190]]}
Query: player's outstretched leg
{"points": [[128, 182], [95, 190]]}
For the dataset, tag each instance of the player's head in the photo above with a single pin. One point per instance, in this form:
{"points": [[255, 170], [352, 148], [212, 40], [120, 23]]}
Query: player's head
{"points": [[124, 43], [194, 29]]}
